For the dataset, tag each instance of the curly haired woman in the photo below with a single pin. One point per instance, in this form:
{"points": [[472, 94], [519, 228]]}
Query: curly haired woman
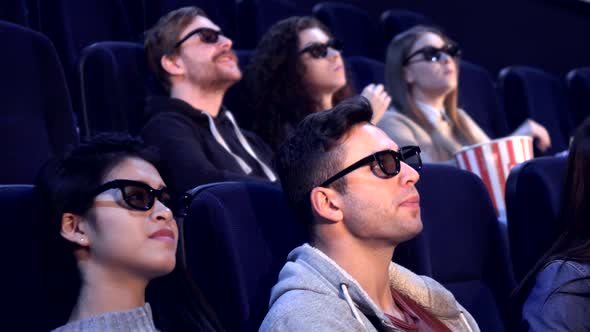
{"points": [[297, 69]]}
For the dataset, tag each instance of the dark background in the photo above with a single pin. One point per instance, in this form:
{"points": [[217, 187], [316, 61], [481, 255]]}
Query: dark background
{"points": [[553, 35]]}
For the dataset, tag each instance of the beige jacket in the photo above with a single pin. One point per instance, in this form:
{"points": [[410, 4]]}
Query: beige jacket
{"points": [[438, 147]]}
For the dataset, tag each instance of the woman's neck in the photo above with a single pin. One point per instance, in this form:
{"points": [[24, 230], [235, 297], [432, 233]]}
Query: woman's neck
{"points": [[325, 102], [435, 100], [103, 292]]}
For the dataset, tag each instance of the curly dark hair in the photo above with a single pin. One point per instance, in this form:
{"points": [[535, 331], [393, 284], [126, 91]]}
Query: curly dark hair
{"points": [[274, 87]]}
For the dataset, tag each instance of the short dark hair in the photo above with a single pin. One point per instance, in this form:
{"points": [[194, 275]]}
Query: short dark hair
{"points": [[163, 36], [64, 185], [68, 182], [312, 153]]}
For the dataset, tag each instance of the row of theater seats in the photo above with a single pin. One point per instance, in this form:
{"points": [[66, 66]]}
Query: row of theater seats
{"points": [[237, 236], [466, 251], [73, 25], [116, 80], [38, 122]]}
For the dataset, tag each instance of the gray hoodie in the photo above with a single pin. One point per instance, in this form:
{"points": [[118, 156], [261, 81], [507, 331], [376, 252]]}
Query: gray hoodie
{"points": [[315, 294]]}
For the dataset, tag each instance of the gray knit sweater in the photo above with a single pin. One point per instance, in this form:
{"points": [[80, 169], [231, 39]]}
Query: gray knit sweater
{"points": [[135, 320]]}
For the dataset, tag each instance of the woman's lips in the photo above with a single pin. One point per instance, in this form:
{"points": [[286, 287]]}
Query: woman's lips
{"points": [[163, 234]]}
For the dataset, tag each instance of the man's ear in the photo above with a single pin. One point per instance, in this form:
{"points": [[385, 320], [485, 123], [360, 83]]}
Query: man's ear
{"points": [[74, 229], [327, 203], [172, 64]]}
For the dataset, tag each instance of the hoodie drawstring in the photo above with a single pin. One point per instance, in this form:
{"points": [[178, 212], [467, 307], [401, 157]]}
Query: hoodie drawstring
{"points": [[247, 169], [348, 299], [465, 321], [267, 171], [243, 165]]}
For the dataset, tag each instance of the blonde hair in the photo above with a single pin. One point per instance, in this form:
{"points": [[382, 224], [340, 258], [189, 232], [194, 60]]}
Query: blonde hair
{"points": [[399, 90]]}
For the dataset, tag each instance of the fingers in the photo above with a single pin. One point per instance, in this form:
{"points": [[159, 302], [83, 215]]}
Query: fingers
{"points": [[541, 134], [379, 99], [542, 146], [376, 94], [368, 89], [378, 89], [375, 90], [387, 99], [544, 142]]}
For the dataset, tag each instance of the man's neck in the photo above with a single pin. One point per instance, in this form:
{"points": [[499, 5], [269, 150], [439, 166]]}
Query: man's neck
{"points": [[105, 291], [203, 100], [369, 265]]}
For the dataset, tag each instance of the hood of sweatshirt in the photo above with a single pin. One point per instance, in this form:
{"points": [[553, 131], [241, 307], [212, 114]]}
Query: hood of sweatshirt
{"points": [[162, 104], [309, 269]]}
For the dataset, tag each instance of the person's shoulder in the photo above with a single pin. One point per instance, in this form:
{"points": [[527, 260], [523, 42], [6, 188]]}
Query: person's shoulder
{"points": [[257, 142], [464, 114], [163, 116], [307, 310], [165, 105], [250, 134], [169, 116], [558, 300], [424, 290], [394, 114], [559, 272], [394, 118], [403, 130], [167, 124], [566, 269], [557, 278]]}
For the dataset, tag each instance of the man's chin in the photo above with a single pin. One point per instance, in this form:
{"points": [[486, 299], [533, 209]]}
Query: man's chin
{"points": [[224, 83], [415, 227], [229, 74]]}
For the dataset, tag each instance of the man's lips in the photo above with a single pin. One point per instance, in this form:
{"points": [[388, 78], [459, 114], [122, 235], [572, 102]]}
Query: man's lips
{"points": [[226, 56], [412, 201]]}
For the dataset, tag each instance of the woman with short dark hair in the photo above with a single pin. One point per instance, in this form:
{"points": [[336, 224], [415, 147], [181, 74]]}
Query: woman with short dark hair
{"points": [[112, 211]]}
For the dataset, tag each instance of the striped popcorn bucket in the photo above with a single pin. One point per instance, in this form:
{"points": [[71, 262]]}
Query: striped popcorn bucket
{"points": [[492, 162]]}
